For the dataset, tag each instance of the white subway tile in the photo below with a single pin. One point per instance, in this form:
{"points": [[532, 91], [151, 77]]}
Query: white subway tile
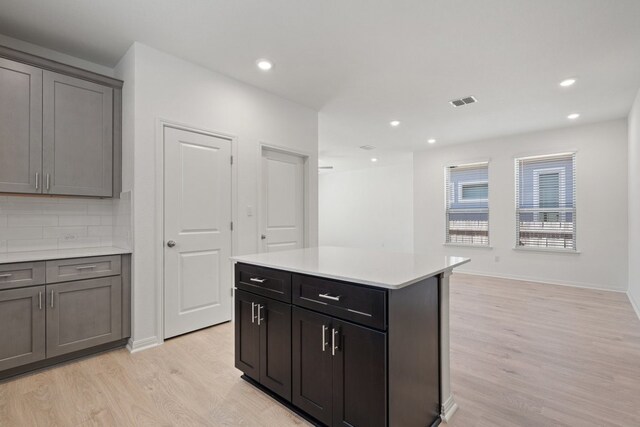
{"points": [[31, 220], [14, 233], [100, 230], [3, 220], [3, 246], [65, 209], [64, 233], [106, 220], [82, 242], [99, 209], [31, 245], [72, 220]]}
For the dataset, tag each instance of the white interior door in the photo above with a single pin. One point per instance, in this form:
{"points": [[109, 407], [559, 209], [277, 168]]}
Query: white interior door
{"points": [[282, 210], [197, 231]]}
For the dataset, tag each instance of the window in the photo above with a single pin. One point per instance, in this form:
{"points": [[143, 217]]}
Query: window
{"points": [[545, 202], [467, 204]]}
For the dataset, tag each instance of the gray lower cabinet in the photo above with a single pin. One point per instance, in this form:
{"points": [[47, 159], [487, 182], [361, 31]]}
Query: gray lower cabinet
{"points": [[20, 127], [22, 326], [77, 148], [83, 314]]}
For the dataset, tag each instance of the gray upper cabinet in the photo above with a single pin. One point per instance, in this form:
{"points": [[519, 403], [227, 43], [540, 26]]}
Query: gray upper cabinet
{"points": [[20, 127], [60, 128], [22, 334], [77, 149]]}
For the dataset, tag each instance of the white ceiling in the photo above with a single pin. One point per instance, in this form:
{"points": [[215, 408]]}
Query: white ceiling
{"points": [[362, 63]]}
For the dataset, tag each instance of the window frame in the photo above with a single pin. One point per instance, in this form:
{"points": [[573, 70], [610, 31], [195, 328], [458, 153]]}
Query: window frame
{"points": [[563, 211], [450, 200]]}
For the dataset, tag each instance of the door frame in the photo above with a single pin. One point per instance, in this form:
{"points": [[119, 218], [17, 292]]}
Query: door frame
{"points": [[306, 156], [161, 124]]}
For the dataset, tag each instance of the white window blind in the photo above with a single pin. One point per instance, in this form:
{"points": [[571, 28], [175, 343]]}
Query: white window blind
{"points": [[546, 202], [467, 204]]}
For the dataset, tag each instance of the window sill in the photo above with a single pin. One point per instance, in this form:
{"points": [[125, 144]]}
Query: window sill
{"points": [[462, 245], [547, 250]]}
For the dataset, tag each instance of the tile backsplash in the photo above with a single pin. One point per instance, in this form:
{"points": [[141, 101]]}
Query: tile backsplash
{"points": [[38, 223]]}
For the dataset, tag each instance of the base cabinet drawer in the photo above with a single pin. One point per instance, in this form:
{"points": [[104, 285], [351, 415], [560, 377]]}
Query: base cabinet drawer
{"points": [[83, 314], [21, 274], [82, 268], [22, 326], [263, 281]]}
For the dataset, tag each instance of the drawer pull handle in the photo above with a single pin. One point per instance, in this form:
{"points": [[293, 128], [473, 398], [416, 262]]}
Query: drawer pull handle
{"points": [[331, 297], [5, 276], [258, 280], [85, 267]]}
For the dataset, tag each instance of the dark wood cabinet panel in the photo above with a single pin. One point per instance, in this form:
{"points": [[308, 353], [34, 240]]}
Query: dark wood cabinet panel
{"points": [[359, 376], [312, 364], [247, 339], [275, 346]]}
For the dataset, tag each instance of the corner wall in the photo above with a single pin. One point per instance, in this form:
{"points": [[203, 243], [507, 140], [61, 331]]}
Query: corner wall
{"points": [[634, 204], [602, 239], [159, 86], [368, 208]]}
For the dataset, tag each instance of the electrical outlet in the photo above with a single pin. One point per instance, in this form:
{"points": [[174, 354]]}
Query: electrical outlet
{"points": [[67, 237], [249, 210]]}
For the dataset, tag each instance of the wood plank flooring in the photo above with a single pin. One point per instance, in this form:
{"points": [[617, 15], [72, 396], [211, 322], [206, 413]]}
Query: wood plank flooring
{"points": [[523, 354]]}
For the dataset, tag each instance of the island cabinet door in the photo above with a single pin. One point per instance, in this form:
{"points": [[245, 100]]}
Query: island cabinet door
{"points": [[312, 364], [275, 346], [359, 376], [247, 335]]}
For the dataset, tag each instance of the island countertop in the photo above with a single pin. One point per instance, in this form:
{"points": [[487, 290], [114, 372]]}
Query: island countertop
{"points": [[389, 270]]}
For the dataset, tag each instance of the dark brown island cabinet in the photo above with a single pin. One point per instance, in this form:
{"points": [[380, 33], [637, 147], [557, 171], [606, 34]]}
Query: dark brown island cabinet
{"points": [[339, 352]]}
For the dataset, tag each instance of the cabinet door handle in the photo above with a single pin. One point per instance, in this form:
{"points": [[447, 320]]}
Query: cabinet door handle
{"points": [[48, 182], [5, 276], [37, 180], [260, 318], [257, 280], [325, 328], [253, 312], [331, 297], [85, 267], [40, 300], [51, 299], [334, 346]]}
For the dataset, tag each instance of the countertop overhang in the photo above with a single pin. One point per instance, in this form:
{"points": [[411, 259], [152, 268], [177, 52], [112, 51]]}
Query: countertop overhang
{"points": [[11, 257], [390, 270]]}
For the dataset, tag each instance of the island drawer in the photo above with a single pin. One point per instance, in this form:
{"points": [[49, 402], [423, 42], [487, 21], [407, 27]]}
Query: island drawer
{"points": [[64, 270], [21, 274], [347, 301], [264, 281]]}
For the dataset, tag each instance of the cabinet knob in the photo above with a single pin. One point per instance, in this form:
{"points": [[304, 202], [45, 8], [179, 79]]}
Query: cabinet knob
{"points": [[171, 243]]}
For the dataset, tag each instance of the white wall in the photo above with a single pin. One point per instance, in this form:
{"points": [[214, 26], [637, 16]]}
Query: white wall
{"points": [[368, 208], [165, 87], [634, 204], [601, 170]]}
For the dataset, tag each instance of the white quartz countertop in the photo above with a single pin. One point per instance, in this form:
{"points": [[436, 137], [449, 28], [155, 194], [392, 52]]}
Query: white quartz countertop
{"points": [[10, 257], [390, 270]]}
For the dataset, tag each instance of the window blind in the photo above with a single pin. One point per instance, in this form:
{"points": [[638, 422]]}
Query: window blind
{"points": [[467, 204], [546, 202]]}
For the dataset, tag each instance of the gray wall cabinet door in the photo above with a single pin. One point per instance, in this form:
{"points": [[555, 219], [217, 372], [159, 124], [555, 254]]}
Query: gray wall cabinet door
{"points": [[20, 128], [83, 314], [22, 326], [77, 150]]}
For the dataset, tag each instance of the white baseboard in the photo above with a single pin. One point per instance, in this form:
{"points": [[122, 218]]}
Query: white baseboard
{"points": [[634, 304], [447, 409], [538, 280], [144, 344]]}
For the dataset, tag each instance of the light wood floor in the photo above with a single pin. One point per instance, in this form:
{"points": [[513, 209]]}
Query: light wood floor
{"points": [[523, 354]]}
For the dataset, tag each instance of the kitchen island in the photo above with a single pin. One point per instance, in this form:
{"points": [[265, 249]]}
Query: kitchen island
{"points": [[347, 337]]}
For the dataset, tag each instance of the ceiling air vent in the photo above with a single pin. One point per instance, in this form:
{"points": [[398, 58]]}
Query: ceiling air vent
{"points": [[463, 101], [367, 147]]}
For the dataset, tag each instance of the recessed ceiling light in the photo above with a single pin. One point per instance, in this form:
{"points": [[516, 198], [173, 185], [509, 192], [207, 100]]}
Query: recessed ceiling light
{"points": [[431, 141], [573, 116], [373, 159], [567, 82], [394, 123], [264, 64]]}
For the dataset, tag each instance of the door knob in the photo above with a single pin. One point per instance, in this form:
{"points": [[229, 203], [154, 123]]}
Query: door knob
{"points": [[263, 236], [171, 243]]}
